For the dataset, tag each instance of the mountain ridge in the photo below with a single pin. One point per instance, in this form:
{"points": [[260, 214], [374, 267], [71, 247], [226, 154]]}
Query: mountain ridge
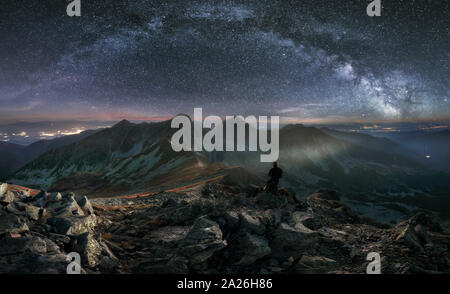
{"points": [[133, 158]]}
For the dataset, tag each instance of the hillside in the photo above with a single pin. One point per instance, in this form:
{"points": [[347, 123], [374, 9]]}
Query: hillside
{"points": [[127, 158], [10, 158], [14, 156]]}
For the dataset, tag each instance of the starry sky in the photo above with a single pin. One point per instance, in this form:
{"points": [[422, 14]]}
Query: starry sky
{"points": [[307, 61]]}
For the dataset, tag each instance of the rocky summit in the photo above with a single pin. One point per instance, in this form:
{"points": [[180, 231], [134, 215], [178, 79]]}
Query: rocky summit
{"points": [[209, 229]]}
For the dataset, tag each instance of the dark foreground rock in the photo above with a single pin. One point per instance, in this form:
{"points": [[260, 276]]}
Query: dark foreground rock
{"points": [[213, 229], [38, 232]]}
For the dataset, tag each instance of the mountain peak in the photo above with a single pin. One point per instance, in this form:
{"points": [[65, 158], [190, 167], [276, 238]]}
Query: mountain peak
{"points": [[122, 123]]}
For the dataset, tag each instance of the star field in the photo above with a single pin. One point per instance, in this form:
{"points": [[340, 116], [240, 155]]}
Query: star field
{"points": [[302, 60]]}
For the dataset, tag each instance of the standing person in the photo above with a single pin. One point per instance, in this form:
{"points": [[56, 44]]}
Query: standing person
{"points": [[275, 175]]}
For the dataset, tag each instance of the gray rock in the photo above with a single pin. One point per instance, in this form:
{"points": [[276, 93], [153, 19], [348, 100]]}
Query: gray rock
{"points": [[31, 255], [7, 197], [289, 241], [66, 207], [32, 212], [34, 244], [60, 240], [54, 197], [73, 225], [3, 188], [251, 224], [15, 208], [85, 205], [10, 223], [89, 249], [202, 241], [253, 248], [304, 218], [409, 237], [94, 252]]}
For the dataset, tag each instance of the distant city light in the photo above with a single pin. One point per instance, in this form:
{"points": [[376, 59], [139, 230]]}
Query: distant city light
{"points": [[61, 133], [427, 156]]}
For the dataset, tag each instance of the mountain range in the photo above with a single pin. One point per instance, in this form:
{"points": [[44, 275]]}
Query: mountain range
{"points": [[14, 156], [377, 177]]}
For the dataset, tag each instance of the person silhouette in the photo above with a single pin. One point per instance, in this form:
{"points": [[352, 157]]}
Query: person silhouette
{"points": [[275, 175]]}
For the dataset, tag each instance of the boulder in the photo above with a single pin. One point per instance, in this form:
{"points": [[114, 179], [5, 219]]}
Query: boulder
{"points": [[89, 249], [60, 240], [252, 248], [94, 252], [73, 225], [66, 207], [202, 241], [7, 197], [34, 263], [85, 205], [25, 193], [304, 218], [10, 223], [34, 244], [15, 208], [31, 211], [414, 230], [251, 224], [289, 241], [31, 255], [409, 237], [3, 188], [54, 197]]}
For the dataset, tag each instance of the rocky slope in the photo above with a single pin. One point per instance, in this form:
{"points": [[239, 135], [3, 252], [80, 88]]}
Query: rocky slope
{"points": [[38, 230], [213, 228]]}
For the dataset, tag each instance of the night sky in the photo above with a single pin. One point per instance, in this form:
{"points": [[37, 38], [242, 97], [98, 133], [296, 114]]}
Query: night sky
{"points": [[308, 61]]}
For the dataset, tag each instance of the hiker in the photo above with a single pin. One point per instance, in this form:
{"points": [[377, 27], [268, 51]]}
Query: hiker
{"points": [[275, 174]]}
